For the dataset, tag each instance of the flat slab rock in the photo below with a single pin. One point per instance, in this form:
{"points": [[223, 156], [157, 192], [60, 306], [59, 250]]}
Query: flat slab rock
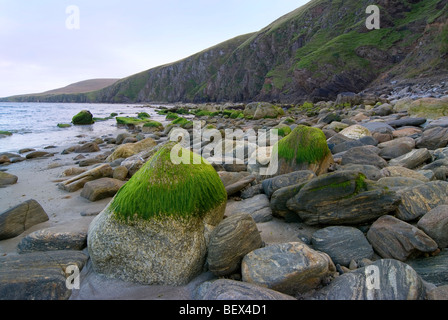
{"points": [[258, 207], [38, 276], [432, 269]]}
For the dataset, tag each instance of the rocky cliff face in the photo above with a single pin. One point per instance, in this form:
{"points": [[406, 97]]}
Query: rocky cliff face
{"points": [[312, 53]]}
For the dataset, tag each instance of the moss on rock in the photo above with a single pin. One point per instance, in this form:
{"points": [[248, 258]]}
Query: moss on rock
{"points": [[161, 188], [83, 118]]}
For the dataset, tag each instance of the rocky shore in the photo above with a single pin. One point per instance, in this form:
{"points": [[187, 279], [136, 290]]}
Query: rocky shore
{"points": [[357, 209]]}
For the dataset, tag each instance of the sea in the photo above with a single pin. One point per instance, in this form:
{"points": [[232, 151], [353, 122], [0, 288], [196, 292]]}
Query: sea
{"points": [[34, 125]]}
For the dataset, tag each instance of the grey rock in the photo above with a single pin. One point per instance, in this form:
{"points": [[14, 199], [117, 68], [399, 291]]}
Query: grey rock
{"points": [[418, 200], [290, 268], [273, 184], [342, 244], [432, 269], [371, 172], [16, 220], [225, 289], [385, 279], [412, 159], [363, 155], [399, 182], [433, 138], [396, 239], [230, 241], [280, 198], [377, 127], [257, 207], [435, 224], [407, 121], [395, 151]]}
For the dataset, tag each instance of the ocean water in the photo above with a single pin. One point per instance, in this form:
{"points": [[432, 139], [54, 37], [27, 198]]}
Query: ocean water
{"points": [[34, 125]]}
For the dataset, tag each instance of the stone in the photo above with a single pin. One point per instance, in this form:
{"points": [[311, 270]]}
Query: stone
{"points": [[363, 155], [399, 182], [37, 154], [101, 189], [226, 289], [393, 171], [260, 110], [404, 140], [435, 224], [239, 185], [371, 172], [406, 132], [305, 148], [432, 269], [418, 200], [230, 241], [349, 98], [154, 231], [342, 244], [39, 275], [290, 268], [130, 149], [412, 159], [385, 279], [64, 237], [439, 293], [87, 148], [382, 137], [84, 117], [376, 126], [395, 151], [7, 179], [78, 182], [280, 198], [431, 108], [433, 138], [407, 121], [4, 159], [392, 238], [355, 132], [345, 146], [89, 162], [257, 207], [273, 184], [344, 197], [16, 220], [120, 173]]}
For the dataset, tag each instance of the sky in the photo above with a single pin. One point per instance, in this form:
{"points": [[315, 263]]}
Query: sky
{"points": [[48, 44]]}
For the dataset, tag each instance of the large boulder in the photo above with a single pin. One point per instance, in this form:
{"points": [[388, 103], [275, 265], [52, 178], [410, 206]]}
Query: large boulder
{"points": [[273, 184], [396, 239], [230, 241], [290, 268], [16, 220], [431, 108], [156, 228], [305, 148], [260, 110], [363, 155], [344, 197], [412, 159], [385, 279], [83, 118]]}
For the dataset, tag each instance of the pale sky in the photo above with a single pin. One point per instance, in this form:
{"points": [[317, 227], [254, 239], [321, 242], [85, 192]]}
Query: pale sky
{"points": [[115, 39]]}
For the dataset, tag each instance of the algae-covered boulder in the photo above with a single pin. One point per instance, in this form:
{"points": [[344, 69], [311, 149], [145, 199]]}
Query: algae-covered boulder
{"points": [[431, 108], [260, 110], [305, 148], [129, 149], [156, 228], [83, 118]]}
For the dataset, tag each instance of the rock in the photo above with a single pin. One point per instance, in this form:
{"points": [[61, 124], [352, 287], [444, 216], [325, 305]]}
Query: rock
{"points": [[407, 121], [101, 189], [396, 239], [26, 150], [257, 207], [273, 184], [418, 200], [355, 132], [120, 137], [289, 268], [16, 220], [349, 98], [87, 148], [342, 244], [439, 293], [7, 179], [72, 171], [251, 191], [305, 148], [64, 237], [260, 110], [130, 149], [406, 132], [120, 173], [130, 140], [394, 171], [38, 276], [371, 172], [4, 159], [435, 224], [382, 137], [412, 159], [395, 151], [433, 139], [154, 230], [376, 126], [225, 289], [345, 146], [432, 269], [363, 155], [89, 162], [230, 241], [404, 140], [83, 118], [229, 178], [280, 198], [385, 279], [431, 108], [78, 182], [399, 182], [37, 154], [239, 185], [344, 197], [383, 110]]}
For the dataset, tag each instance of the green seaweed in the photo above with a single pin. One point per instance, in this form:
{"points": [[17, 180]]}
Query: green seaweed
{"points": [[153, 124], [83, 118], [6, 133], [304, 144], [164, 189], [143, 115], [61, 125]]}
